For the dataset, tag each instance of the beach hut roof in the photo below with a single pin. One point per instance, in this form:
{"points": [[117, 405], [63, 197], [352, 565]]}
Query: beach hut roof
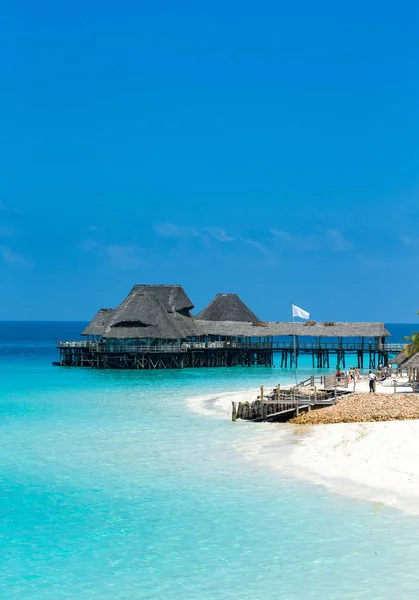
{"points": [[99, 322], [186, 324], [227, 307], [172, 296], [412, 362], [239, 329], [142, 315], [399, 359]]}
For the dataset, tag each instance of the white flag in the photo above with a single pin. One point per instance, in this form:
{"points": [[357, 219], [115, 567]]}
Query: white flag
{"points": [[299, 312]]}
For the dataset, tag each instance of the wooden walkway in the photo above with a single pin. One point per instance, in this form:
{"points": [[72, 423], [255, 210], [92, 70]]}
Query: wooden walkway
{"points": [[228, 353], [284, 404]]}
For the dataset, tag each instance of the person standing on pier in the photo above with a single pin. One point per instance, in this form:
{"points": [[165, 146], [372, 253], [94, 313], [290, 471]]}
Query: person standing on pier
{"points": [[372, 377]]}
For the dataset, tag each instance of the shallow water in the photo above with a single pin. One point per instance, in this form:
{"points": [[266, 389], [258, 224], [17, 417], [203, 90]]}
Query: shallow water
{"points": [[113, 488]]}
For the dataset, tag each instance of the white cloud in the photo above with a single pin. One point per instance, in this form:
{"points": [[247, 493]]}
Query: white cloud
{"points": [[219, 234], [331, 239], [126, 258], [310, 242], [121, 256], [170, 230], [91, 246], [338, 241], [13, 258], [254, 243]]}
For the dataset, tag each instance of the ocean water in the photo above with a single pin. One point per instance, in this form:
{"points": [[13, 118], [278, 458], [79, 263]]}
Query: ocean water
{"points": [[112, 488]]}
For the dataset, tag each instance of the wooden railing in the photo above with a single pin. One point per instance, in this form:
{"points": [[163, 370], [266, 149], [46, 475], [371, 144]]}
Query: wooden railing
{"points": [[101, 347], [370, 346], [333, 381], [121, 347], [311, 381]]}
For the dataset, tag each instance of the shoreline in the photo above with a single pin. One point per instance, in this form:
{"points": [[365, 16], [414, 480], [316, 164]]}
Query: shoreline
{"points": [[370, 461], [377, 462], [218, 405]]}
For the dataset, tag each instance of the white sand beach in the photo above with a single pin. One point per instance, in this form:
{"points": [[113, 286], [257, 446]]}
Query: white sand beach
{"points": [[377, 461], [373, 461]]}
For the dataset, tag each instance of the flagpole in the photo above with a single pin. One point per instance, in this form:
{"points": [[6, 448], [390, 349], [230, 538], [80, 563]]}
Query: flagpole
{"points": [[293, 341]]}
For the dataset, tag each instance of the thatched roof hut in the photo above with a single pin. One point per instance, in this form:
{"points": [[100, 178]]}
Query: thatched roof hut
{"points": [[225, 316], [99, 322], [412, 362], [399, 359], [172, 298], [142, 315], [227, 307]]}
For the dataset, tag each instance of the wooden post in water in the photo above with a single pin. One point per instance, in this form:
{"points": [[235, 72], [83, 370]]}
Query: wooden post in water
{"points": [[278, 391], [297, 408], [233, 412], [261, 393]]}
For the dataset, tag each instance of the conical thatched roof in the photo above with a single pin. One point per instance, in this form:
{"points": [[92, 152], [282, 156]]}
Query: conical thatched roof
{"points": [[173, 297], [99, 322], [227, 307], [142, 315]]}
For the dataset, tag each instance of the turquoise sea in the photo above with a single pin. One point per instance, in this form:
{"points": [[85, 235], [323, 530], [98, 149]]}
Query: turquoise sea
{"points": [[111, 488]]}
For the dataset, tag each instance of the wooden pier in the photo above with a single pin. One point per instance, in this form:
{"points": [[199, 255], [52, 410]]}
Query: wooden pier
{"points": [[120, 355], [326, 355], [100, 355], [284, 404], [153, 328]]}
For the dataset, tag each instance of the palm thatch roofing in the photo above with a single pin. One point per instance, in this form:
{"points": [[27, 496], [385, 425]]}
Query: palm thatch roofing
{"points": [[412, 362], [99, 322], [235, 329], [162, 311], [399, 359], [187, 325], [142, 315], [227, 307], [172, 296]]}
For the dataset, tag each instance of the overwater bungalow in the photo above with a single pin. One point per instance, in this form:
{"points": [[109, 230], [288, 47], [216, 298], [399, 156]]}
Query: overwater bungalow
{"points": [[154, 328]]}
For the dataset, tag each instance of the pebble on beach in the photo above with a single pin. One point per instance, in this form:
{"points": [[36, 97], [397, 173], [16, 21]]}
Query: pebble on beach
{"points": [[358, 408]]}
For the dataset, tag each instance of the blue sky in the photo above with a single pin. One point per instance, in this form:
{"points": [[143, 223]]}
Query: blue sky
{"points": [[269, 149]]}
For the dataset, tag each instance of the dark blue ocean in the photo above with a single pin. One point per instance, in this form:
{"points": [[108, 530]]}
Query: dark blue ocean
{"points": [[113, 488]]}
